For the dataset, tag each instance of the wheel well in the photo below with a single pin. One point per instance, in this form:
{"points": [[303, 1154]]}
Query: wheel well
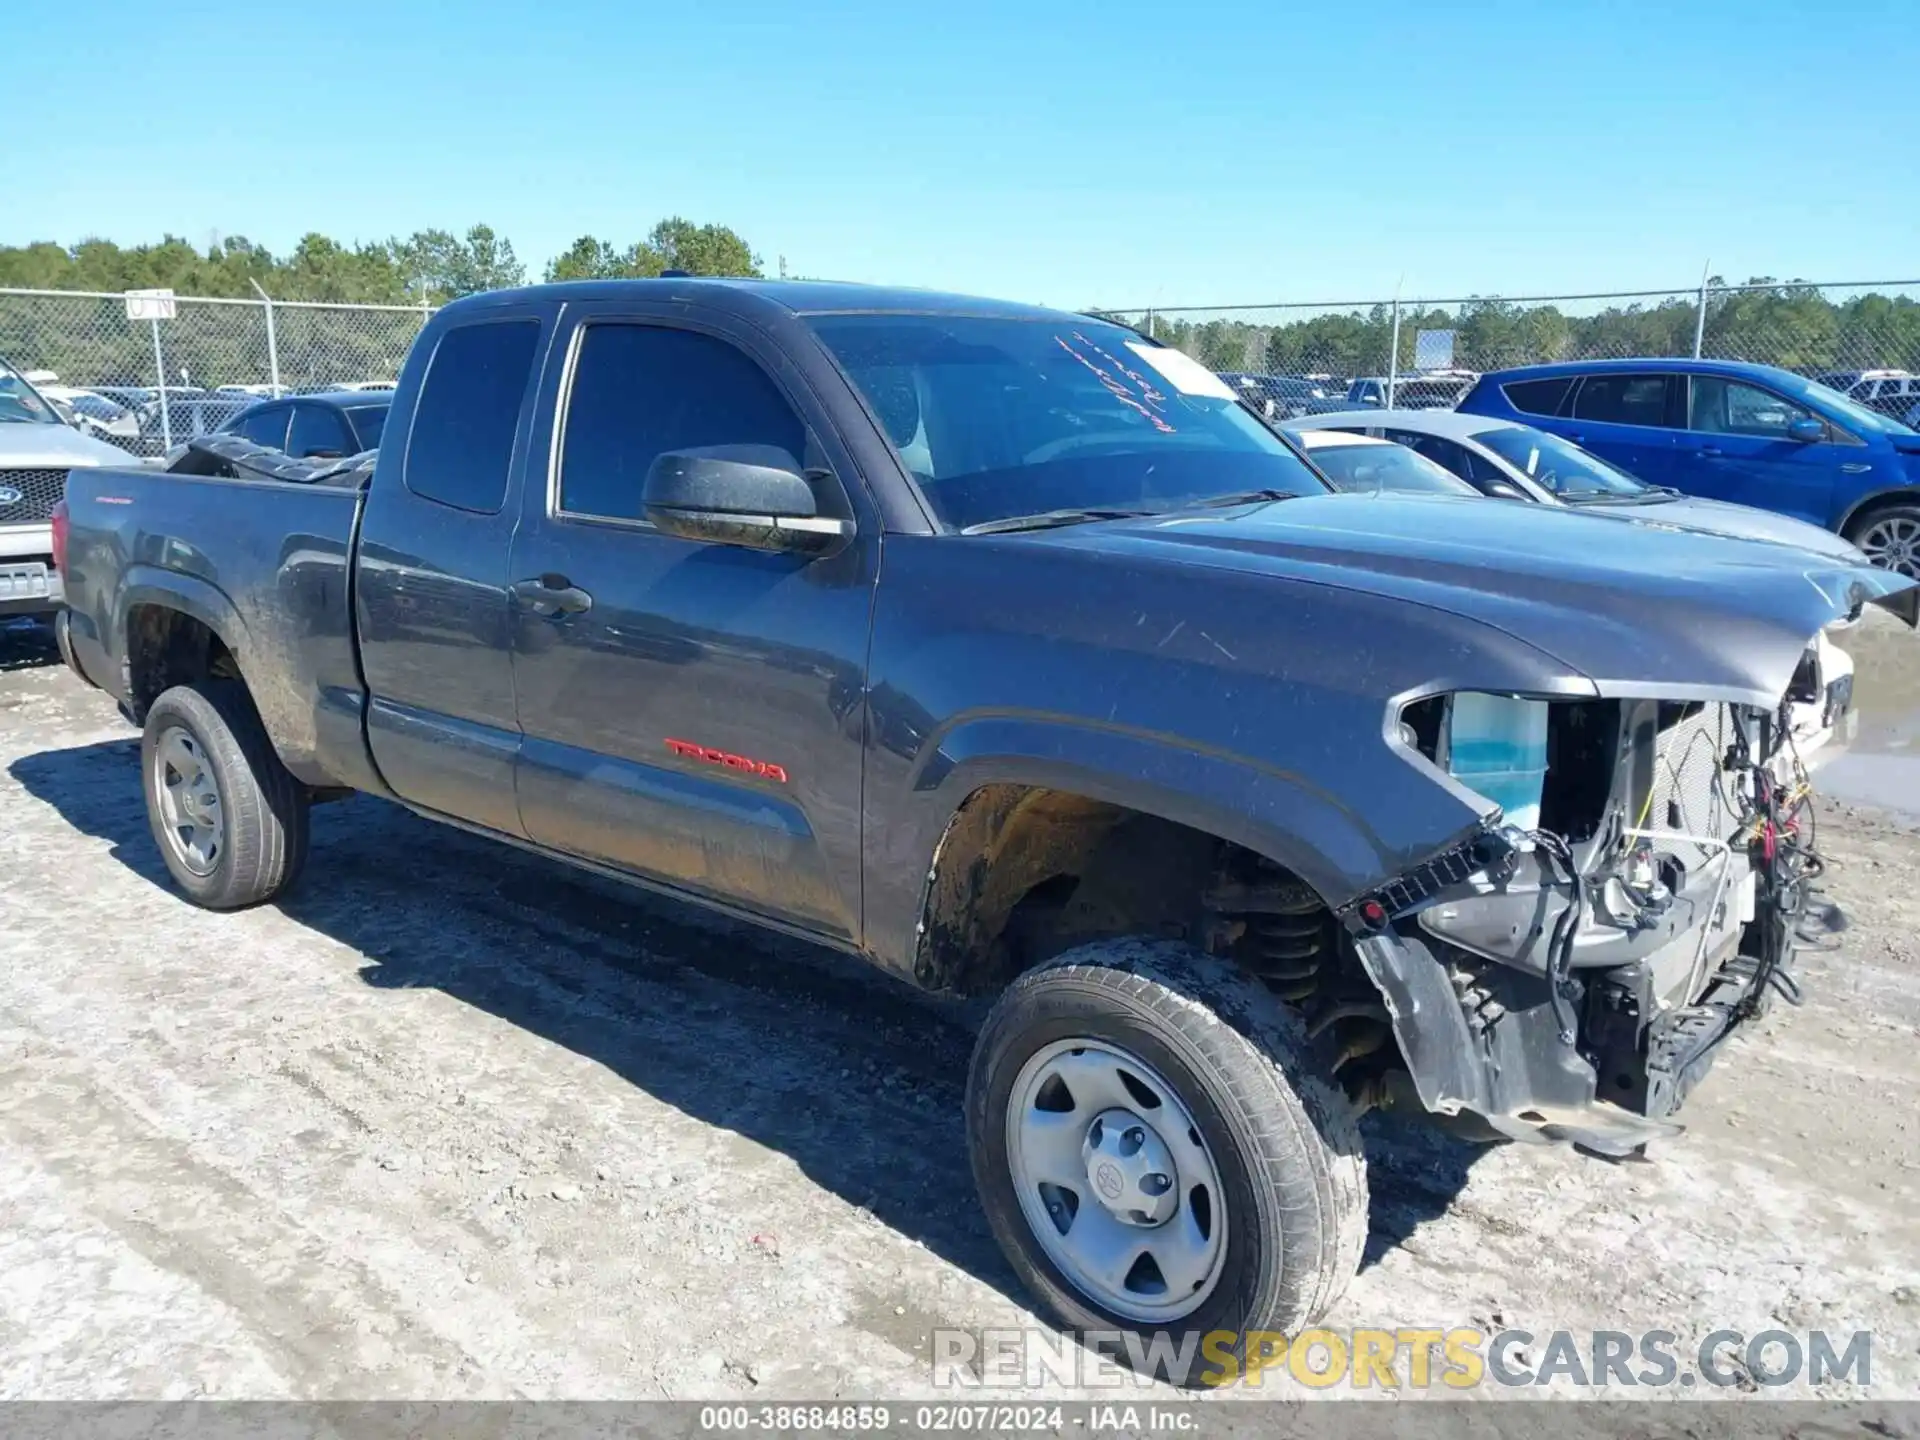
{"points": [[168, 647], [1014, 854], [1026, 873], [1867, 509]]}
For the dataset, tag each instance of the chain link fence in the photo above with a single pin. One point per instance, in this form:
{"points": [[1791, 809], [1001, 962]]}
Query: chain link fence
{"points": [[215, 354], [211, 357], [1324, 356]]}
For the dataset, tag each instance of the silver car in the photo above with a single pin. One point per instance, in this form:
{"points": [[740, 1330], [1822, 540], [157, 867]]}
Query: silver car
{"points": [[1511, 461], [37, 449]]}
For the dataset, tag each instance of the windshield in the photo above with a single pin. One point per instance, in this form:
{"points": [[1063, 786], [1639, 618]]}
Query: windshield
{"points": [[999, 418], [20, 403], [1559, 465], [1383, 466], [1851, 411]]}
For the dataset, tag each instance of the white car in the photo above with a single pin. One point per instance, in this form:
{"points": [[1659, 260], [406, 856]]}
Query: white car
{"points": [[37, 449], [93, 413]]}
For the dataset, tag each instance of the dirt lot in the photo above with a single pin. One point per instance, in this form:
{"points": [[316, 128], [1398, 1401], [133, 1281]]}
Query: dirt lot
{"points": [[455, 1122]]}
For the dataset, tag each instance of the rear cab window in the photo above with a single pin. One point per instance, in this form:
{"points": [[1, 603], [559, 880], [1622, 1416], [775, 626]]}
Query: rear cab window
{"points": [[460, 448], [264, 427], [318, 431], [367, 422]]}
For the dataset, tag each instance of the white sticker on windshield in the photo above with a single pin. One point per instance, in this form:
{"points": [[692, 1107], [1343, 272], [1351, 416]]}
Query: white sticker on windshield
{"points": [[1188, 375]]}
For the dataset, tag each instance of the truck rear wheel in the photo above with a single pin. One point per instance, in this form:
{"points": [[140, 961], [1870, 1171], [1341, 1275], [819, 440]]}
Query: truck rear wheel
{"points": [[1160, 1149], [230, 821]]}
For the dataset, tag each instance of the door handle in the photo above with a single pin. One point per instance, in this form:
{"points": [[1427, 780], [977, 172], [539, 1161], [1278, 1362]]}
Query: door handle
{"points": [[551, 595], [1711, 452]]}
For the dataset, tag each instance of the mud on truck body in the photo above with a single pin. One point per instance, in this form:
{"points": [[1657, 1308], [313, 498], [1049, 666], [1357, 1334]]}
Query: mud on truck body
{"points": [[1006, 649]]}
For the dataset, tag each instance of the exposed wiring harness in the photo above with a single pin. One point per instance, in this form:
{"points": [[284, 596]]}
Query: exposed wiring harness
{"points": [[1566, 929], [1780, 836]]}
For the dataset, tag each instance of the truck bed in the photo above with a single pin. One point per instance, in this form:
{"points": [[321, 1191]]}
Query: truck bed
{"points": [[264, 562]]}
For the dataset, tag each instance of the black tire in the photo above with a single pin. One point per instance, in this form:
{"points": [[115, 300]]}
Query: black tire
{"points": [[1281, 1133], [1860, 531], [263, 808]]}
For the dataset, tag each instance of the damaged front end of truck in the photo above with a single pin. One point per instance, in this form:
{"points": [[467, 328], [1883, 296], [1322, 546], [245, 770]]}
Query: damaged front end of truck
{"points": [[1568, 968]]}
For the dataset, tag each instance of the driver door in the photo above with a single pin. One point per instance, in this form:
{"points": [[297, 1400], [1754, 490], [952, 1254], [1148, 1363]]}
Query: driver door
{"points": [[692, 710]]}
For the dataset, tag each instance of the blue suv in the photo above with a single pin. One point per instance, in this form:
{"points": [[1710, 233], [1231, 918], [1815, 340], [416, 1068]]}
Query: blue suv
{"points": [[1752, 434]]}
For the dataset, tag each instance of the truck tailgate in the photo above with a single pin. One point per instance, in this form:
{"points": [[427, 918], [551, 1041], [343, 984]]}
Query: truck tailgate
{"points": [[263, 564]]}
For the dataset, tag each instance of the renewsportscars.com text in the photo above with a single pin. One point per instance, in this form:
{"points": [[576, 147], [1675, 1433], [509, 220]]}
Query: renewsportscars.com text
{"points": [[1405, 1358]]}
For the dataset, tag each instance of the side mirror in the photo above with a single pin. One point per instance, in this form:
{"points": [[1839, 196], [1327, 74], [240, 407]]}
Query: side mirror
{"points": [[1502, 490], [1807, 430], [750, 495]]}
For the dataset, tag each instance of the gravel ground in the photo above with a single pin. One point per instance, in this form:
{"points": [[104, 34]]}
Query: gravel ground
{"points": [[454, 1122]]}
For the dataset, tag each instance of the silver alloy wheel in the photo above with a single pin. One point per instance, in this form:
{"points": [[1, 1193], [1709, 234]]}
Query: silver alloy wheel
{"points": [[1893, 543], [189, 800], [1115, 1180]]}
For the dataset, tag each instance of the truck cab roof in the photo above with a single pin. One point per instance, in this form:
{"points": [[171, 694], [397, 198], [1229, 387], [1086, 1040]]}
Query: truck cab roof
{"points": [[750, 296]]}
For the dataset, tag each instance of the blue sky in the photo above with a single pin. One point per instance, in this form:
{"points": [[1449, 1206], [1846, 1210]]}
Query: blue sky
{"points": [[1121, 153]]}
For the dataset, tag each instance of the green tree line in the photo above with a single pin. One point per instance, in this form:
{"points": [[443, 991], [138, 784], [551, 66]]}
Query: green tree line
{"points": [[91, 342], [428, 267], [1786, 323]]}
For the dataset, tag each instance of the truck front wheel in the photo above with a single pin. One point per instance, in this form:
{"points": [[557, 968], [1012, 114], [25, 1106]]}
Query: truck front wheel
{"points": [[230, 821], [1161, 1150]]}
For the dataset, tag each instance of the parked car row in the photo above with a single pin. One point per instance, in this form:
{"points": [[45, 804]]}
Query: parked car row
{"points": [[1709, 444], [1288, 397], [1891, 392], [1284, 397], [1750, 434], [131, 416]]}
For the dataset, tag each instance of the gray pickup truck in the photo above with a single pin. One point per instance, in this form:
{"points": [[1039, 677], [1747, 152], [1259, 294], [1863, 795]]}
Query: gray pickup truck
{"points": [[1007, 649]]}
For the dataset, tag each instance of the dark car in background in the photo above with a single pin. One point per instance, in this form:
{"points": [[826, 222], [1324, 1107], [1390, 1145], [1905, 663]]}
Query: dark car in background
{"points": [[1284, 397], [1753, 434], [1891, 392], [188, 416], [131, 396], [1433, 390], [324, 426]]}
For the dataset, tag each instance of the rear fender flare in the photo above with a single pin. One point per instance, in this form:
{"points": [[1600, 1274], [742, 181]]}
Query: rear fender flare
{"points": [[198, 599]]}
